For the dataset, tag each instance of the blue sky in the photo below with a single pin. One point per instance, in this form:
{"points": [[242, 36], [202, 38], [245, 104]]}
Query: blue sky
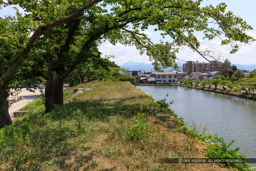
{"points": [[246, 54]]}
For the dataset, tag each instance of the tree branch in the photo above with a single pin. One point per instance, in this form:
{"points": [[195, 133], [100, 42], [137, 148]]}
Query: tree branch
{"points": [[141, 34], [69, 38], [60, 68], [13, 68], [87, 45]]}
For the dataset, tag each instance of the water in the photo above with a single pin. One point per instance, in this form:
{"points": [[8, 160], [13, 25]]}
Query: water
{"points": [[230, 117]]}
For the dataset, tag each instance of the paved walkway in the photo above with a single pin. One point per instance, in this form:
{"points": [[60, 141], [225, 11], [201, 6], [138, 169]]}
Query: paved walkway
{"points": [[27, 97]]}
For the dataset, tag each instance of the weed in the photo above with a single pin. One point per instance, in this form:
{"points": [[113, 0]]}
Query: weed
{"points": [[137, 131], [163, 103], [220, 150], [78, 116], [129, 150]]}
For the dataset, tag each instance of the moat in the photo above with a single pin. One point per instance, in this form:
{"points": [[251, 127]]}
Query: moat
{"points": [[230, 117]]}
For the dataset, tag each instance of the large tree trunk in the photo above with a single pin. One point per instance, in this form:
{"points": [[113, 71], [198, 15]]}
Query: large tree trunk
{"points": [[58, 93], [53, 95], [54, 88], [49, 89], [5, 118], [49, 97]]}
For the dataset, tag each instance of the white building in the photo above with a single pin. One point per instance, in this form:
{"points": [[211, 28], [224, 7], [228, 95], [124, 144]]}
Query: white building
{"points": [[135, 72], [166, 77], [195, 76], [151, 79]]}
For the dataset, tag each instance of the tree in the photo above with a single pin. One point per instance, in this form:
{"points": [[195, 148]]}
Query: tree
{"points": [[94, 69], [226, 69], [16, 43], [206, 82], [224, 83], [252, 73], [197, 82], [117, 21], [182, 81], [215, 82], [238, 74]]}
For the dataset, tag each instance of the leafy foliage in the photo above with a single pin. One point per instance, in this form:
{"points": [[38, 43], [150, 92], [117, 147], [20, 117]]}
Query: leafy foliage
{"points": [[65, 33], [139, 130], [220, 150], [227, 70], [252, 73]]}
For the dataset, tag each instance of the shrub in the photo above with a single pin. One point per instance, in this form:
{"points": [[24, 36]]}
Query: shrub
{"points": [[218, 149], [137, 131]]}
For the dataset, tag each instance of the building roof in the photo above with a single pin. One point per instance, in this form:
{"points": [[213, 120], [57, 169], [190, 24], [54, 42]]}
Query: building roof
{"points": [[182, 73], [195, 73], [145, 75], [165, 73], [133, 70], [205, 73]]}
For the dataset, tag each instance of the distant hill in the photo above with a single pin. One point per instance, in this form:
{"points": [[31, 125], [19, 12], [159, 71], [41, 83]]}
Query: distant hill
{"points": [[149, 67], [249, 67], [137, 66], [144, 67]]}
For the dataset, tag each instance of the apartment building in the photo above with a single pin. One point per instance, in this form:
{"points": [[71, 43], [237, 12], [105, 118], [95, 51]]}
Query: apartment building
{"points": [[191, 66]]}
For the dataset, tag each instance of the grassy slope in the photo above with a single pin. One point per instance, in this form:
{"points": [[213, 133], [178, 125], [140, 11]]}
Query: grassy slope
{"points": [[96, 131]]}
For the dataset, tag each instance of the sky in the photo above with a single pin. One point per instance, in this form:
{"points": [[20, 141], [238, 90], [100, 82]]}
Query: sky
{"points": [[245, 55]]}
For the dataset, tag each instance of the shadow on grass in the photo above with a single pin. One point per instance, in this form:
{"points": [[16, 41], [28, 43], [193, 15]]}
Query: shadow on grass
{"points": [[41, 138], [101, 109]]}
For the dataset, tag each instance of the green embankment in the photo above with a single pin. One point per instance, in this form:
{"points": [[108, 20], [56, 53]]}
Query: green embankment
{"points": [[111, 126]]}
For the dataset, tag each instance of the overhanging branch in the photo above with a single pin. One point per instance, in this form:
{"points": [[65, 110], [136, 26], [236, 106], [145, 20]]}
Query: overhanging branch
{"points": [[13, 68]]}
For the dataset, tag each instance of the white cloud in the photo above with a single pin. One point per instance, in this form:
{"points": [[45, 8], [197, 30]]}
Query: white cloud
{"points": [[245, 55], [123, 53]]}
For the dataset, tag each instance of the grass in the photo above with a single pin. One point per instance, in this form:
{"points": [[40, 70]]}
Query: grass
{"points": [[113, 126]]}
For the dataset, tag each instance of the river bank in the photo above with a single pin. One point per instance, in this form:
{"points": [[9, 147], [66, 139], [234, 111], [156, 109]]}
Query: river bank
{"points": [[226, 92], [112, 126]]}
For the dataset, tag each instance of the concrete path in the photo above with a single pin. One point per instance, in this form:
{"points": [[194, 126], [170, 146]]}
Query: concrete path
{"points": [[27, 97]]}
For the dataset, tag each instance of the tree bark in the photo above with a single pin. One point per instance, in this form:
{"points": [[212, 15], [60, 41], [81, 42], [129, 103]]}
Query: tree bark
{"points": [[49, 89], [58, 93], [5, 118], [49, 97], [53, 95]]}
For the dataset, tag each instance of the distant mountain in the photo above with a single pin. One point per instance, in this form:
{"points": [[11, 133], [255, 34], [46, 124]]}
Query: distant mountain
{"points": [[137, 66], [249, 67], [149, 67], [145, 67]]}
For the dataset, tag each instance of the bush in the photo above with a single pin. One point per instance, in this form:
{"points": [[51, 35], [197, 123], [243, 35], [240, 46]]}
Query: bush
{"points": [[139, 130], [218, 149]]}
